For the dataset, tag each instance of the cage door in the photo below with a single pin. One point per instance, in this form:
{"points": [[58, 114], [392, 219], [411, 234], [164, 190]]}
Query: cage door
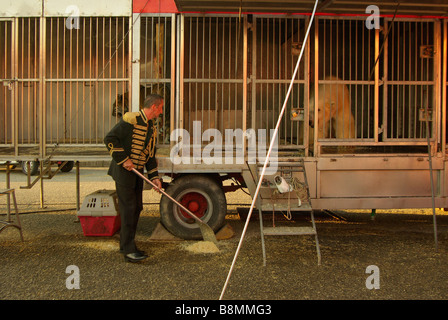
{"points": [[28, 53], [213, 64], [276, 45], [409, 98], [7, 83]]}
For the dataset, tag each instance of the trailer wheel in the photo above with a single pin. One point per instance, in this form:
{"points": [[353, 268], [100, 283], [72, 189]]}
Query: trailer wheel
{"points": [[34, 167], [68, 166], [199, 194]]}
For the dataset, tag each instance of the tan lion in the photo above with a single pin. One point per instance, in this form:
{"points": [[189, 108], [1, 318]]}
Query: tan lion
{"points": [[335, 118]]}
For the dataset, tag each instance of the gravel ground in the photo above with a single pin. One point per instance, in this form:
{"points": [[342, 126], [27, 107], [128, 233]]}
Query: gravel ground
{"points": [[400, 243]]}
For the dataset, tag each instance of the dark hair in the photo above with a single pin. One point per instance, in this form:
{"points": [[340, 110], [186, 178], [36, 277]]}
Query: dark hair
{"points": [[151, 100]]}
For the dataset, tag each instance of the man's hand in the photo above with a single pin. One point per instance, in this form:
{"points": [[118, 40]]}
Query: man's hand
{"points": [[158, 184], [128, 165]]}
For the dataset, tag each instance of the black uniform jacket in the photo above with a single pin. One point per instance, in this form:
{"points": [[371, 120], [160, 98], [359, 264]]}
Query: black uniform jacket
{"points": [[133, 137]]}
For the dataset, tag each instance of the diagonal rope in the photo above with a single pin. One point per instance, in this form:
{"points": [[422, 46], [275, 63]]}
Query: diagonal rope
{"points": [[269, 151]]}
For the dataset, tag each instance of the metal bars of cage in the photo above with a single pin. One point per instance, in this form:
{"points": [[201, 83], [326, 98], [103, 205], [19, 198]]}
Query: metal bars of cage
{"points": [[28, 76], [212, 82], [276, 45], [86, 70], [7, 82], [157, 35], [20, 91], [347, 105], [411, 73], [444, 87]]}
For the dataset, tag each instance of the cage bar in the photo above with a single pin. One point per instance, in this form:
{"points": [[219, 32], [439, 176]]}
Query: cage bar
{"points": [[86, 72], [156, 66]]}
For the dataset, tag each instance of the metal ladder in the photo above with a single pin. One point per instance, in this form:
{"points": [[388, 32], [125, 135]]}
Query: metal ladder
{"points": [[289, 167]]}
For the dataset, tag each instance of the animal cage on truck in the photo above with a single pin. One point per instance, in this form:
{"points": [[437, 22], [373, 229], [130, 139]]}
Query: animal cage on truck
{"points": [[366, 110]]}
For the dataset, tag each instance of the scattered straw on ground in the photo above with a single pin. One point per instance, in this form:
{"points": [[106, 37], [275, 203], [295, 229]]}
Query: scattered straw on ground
{"points": [[101, 245], [202, 247]]}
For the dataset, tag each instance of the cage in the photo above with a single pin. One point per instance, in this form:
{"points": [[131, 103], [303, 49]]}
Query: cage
{"points": [[99, 215]]}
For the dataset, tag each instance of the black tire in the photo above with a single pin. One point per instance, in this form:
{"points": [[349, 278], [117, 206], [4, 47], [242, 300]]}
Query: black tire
{"points": [[34, 167], [203, 196], [68, 166]]}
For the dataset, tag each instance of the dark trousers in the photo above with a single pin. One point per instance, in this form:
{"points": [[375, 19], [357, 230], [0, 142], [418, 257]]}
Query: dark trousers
{"points": [[130, 204]]}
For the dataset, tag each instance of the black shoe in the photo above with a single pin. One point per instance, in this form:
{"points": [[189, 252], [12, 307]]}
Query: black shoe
{"points": [[134, 257], [138, 251]]}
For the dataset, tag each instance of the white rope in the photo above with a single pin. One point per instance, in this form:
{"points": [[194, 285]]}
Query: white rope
{"points": [[269, 152]]}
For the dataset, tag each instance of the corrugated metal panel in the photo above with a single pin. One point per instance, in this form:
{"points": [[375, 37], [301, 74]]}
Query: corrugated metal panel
{"points": [[88, 8], [21, 8]]}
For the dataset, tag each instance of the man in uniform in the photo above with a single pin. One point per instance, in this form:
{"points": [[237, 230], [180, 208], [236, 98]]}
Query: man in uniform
{"points": [[132, 144]]}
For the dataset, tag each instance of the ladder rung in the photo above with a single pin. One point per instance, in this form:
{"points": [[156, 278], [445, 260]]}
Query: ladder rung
{"points": [[288, 231]]}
